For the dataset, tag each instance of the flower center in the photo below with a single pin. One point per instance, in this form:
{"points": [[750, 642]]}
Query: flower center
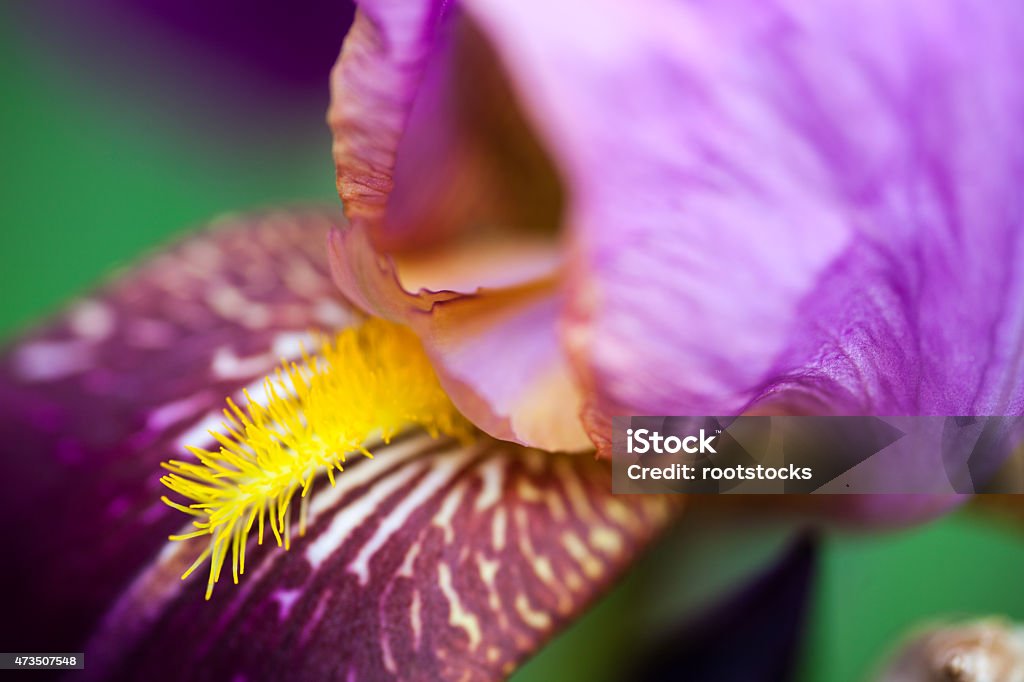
{"points": [[370, 382]]}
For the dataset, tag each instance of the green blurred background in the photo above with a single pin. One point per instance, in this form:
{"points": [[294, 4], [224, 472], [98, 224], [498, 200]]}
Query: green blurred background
{"points": [[121, 129]]}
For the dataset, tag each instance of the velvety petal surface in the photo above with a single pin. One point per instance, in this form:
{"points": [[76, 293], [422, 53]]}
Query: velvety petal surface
{"points": [[435, 560], [785, 205], [92, 401]]}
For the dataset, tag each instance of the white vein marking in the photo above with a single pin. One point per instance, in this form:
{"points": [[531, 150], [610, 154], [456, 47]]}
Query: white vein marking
{"points": [[538, 620], [385, 651], [443, 468], [498, 528], [591, 566], [289, 345], [575, 490], [171, 413], [492, 473], [409, 561], [386, 459], [303, 278], [227, 365], [443, 518], [458, 616], [416, 619], [198, 435], [488, 573], [358, 512]]}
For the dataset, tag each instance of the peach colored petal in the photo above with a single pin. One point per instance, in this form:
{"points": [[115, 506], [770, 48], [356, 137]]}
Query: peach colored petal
{"points": [[434, 164], [496, 350]]}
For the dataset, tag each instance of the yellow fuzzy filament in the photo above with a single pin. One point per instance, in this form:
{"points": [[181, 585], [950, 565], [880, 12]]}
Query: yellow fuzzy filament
{"points": [[369, 382]]}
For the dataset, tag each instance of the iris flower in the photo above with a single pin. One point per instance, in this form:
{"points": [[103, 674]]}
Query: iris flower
{"points": [[553, 213]]}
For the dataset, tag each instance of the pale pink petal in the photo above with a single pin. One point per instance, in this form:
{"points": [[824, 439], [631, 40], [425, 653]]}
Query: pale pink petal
{"points": [[496, 350]]}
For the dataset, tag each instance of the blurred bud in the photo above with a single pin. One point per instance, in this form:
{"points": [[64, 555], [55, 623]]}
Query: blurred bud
{"points": [[990, 650]]}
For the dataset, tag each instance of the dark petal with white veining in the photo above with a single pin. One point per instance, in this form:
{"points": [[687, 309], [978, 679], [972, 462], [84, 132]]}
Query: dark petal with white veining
{"points": [[93, 400], [434, 561]]}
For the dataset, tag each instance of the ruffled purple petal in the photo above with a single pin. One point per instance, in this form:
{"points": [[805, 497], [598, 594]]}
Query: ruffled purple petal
{"points": [[775, 205], [429, 141], [771, 206]]}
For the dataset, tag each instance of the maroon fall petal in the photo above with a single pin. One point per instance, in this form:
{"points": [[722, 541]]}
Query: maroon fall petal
{"points": [[435, 560], [92, 401]]}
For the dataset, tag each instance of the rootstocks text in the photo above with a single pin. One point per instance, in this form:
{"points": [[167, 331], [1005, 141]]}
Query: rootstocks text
{"points": [[933, 455], [644, 441]]}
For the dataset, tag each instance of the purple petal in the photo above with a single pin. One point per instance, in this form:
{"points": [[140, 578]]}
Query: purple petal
{"points": [[429, 142], [93, 400], [810, 207], [433, 561], [772, 206]]}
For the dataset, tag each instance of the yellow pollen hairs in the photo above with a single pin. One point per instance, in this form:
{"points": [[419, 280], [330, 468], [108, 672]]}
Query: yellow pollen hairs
{"points": [[371, 381]]}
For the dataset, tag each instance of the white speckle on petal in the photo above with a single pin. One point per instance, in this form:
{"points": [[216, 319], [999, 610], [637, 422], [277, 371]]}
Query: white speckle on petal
{"points": [[51, 360], [332, 314], [289, 346], [286, 598], [227, 365], [91, 320]]}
